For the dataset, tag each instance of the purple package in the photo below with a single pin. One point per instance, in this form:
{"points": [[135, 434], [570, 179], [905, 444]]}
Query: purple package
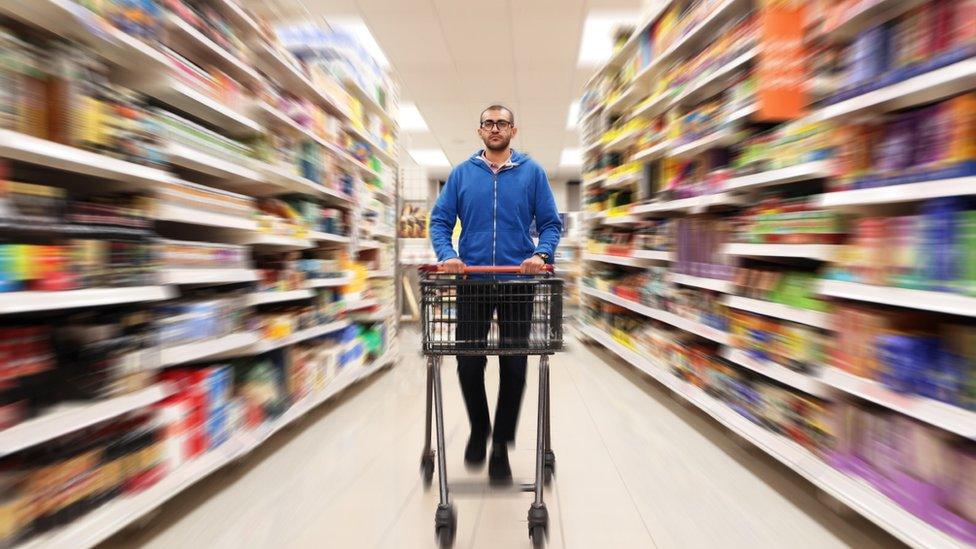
{"points": [[894, 152], [932, 135]]}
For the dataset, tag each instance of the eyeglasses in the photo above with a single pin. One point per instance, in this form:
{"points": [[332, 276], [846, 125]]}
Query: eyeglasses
{"points": [[502, 125]]}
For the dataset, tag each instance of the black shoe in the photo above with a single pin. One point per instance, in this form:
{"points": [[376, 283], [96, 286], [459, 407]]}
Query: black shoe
{"points": [[474, 453], [499, 470]]}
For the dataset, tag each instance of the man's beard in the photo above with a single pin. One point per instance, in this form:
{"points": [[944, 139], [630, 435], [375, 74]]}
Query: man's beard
{"points": [[497, 146]]}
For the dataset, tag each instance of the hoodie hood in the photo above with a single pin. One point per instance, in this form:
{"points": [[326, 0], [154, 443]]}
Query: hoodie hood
{"points": [[518, 158]]}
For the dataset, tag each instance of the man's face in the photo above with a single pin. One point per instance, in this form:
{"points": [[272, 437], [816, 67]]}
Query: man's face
{"points": [[497, 129]]}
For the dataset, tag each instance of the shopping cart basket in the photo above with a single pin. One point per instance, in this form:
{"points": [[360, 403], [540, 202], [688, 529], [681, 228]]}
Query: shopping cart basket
{"points": [[489, 311]]}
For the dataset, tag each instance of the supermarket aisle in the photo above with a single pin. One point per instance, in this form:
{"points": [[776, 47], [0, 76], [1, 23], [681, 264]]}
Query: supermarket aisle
{"points": [[635, 469]]}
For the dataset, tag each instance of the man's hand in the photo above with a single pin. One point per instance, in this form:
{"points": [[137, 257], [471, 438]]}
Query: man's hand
{"points": [[453, 266], [533, 265]]}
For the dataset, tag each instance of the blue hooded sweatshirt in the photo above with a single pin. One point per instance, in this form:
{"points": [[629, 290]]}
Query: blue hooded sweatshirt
{"points": [[496, 212]]}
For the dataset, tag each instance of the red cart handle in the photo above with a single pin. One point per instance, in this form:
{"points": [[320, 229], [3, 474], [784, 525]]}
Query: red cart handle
{"points": [[486, 269]]}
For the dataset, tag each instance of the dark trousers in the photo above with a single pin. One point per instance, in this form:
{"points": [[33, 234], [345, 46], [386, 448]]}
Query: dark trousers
{"points": [[512, 303]]}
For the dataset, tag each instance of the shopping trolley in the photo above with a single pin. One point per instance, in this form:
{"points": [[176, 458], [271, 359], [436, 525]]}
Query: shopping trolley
{"points": [[489, 311]]}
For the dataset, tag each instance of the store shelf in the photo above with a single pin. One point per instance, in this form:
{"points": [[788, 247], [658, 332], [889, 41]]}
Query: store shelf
{"points": [[694, 40], [369, 245], [33, 150], [191, 277], [320, 236], [802, 172], [328, 282], [26, 302], [284, 181], [615, 259], [381, 315], [820, 252], [73, 416], [891, 194], [99, 525], [715, 83], [940, 414], [854, 493], [809, 384], [681, 323], [276, 242], [70, 20], [206, 348], [940, 302], [652, 255], [193, 44], [175, 213], [922, 89], [713, 284], [383, 273], [237, 16], [620, 220], [199, 105], [360, 304], [623, 180], [265, 345], [721, 138], [594, 180], [653, 152], [620, 55], [208, 164], [816, 319], [264, 298], [870, 14], [653, 107], [622, 142], [369, 101], [288, 76], [695, 204]]}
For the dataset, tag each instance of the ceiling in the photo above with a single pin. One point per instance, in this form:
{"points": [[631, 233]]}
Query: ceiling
{"points": [[454, 57]]}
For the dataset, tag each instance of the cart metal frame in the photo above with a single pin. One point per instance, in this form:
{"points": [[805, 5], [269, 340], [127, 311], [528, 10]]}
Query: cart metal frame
{"points": [[539, 297]]}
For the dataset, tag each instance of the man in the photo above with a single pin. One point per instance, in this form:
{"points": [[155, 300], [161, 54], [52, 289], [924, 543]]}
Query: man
{"points": [[496, 194]]}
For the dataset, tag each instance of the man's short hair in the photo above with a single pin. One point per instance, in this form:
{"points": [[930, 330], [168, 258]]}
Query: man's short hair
{"points": [[498, 108]]}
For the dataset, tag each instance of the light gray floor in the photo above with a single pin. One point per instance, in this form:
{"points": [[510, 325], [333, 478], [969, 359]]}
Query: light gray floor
{"points": [[635, 469]]}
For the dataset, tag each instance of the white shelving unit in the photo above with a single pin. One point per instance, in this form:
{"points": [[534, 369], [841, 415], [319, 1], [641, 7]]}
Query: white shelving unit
{"points": [[800, 172], [713, 284], [624, 93], [892, 194], [816, 319], [206, 348], [100, 524], [942, 302], [191, 277], [615, 259], [821, 252], [143, 67], [945, 416], [33, 150], [810, 384], [26, 302], [670, 318], [850, 491], [328, 282], [72, 416], [264, 298]]}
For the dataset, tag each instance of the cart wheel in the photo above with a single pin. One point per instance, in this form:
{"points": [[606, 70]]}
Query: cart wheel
{"points": [[538, 536], [427, 469], [538, 524], [445, 523]]}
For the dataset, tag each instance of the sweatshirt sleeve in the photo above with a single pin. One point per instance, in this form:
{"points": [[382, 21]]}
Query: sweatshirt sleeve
{"points": [[547, 219], [443, 218]]}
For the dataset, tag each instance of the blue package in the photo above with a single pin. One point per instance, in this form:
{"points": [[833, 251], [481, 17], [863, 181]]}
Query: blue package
{"points": [[216, 427], [940, 232]]}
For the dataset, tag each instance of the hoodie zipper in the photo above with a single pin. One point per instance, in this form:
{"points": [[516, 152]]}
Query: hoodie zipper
{"points": [[494, 219]]}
